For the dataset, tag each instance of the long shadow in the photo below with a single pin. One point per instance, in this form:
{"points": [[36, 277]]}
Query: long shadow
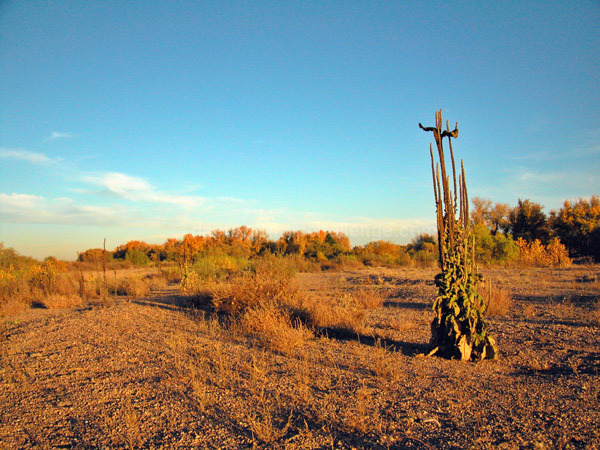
{"points": [[406, 348], [407, 305], [579, 299], [176, 301], [588, 364]]}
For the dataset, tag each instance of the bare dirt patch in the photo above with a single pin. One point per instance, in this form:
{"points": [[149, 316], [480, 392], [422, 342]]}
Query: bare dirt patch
{"points": [[157, 373]]}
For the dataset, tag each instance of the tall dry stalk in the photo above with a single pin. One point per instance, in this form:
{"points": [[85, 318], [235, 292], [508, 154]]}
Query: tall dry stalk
{"points": [[458, 329]]}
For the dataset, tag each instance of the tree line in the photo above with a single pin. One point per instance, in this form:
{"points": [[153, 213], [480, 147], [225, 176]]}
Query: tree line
{"points": [[502, 234], [576, 225]]}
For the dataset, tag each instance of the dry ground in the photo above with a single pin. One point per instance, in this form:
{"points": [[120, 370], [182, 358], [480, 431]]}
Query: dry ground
{"points": [[156, 373]]}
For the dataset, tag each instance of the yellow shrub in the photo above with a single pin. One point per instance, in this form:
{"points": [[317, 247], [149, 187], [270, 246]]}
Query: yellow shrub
{"points": [[536, 254]]}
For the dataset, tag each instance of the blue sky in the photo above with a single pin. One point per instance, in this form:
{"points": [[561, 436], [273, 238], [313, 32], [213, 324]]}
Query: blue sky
{"points": [[148, 120]]}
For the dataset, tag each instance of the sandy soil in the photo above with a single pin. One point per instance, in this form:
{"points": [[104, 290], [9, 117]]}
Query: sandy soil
{"points": [[156, 373]]}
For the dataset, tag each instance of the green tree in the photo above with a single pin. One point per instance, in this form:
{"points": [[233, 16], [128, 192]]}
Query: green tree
{"points": [[528, 221], [137, 257]]}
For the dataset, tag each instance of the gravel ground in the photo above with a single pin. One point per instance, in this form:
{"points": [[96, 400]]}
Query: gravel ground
{"points": [[155, 373]]}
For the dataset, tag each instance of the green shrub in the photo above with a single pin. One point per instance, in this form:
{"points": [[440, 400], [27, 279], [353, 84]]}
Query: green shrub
{"points": [[137, 257], [493, 249]]}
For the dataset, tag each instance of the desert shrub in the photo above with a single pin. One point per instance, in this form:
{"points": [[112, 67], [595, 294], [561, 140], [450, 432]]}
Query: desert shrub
{"points": [[213, 267], [343, 312], [348, 261], [558, 254], [339, 314], [172, 274], [53, 301], [381, 253], [155, 281], [536, 254], [91, 288], [251, 290], [44, 276], [299, 263], [66, 284], [15, 293], [366, 298], [259, 301], [424, 258], [595, 316], [25, 283], [133, 287], [273, 327]]}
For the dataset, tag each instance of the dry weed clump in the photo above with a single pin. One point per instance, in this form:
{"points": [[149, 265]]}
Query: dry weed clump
{"points": [[248, 291], [274, 328], [43, 285], [385, 362], [367, 298], [55, 301], [269, 283], [498, 301], [339, 314], [133, 287], [266, 423], [171, 275], [261, 304]]}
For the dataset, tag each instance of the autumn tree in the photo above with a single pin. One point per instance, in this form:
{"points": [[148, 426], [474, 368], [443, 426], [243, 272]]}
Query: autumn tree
{"points": [[292, 242], [140, 246], [493, 216], [94, 255], [323, 245], [382, 253], [578, 226]]}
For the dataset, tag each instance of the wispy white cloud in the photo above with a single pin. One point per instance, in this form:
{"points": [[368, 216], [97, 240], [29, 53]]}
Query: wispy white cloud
{"points": [[530, 176], [139, 190], [27, 208], [19, 202], [56, 135], [24, 155]]}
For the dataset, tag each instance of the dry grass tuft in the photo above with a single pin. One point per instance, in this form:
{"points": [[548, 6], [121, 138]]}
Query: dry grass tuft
{"points": [[133, 287], [53, 301], [334, 315], [385, 363], [343, 312], [273, 327], [265, 424], [499, 302], [367, 298]]}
